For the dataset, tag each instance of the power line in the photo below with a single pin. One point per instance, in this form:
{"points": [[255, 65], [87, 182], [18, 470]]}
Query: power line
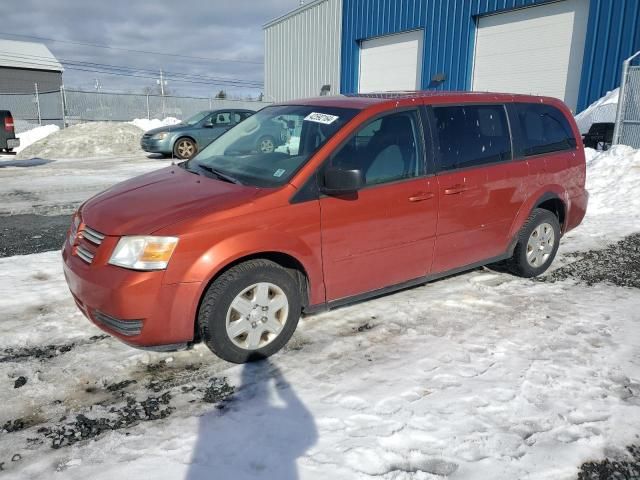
{"points": [[122, 70], [147, 52]]}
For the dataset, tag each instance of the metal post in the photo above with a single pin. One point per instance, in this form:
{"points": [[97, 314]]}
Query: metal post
{"points": [[620, 110], [210, 104], [64, 121], [38, 104], [148, 111], [617, 129], [162, 91]]}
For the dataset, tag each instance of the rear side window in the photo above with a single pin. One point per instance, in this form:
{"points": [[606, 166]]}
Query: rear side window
{"points": [[470, 135], [544, 129]]}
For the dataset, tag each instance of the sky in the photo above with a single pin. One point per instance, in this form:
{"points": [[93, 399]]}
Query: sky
{"points": [[227, 34]]}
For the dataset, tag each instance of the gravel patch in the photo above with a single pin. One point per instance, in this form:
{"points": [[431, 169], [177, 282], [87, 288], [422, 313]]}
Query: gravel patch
{"points": [[26, 234], [626, 468], [618, 264]]}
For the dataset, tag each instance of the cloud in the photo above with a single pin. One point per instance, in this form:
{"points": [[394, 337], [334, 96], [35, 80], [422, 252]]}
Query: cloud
{"points": [[229, 31]]}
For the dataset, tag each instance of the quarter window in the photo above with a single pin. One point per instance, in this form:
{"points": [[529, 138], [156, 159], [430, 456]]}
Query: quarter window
{"points": [[386, 150], [470, 135], [544, 129]]}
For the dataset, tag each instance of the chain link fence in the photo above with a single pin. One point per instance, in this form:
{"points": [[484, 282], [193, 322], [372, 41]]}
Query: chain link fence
{"points": [[627, 128], [67, 107]]}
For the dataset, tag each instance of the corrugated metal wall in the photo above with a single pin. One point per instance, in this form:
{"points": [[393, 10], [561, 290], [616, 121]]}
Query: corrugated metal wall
{"points": [[613, 35], [449, 33], [18, 80], [302, 51]]}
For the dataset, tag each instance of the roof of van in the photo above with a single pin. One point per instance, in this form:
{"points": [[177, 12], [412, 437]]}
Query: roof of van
{"points": [[363, 100]]}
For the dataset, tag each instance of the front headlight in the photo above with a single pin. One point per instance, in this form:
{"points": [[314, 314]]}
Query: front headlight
{"points": [[160, 136], [143, 253]]}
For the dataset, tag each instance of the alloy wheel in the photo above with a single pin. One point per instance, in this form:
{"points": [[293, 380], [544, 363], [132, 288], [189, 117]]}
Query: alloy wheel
{"points": [[267, 146], [186, 148]]}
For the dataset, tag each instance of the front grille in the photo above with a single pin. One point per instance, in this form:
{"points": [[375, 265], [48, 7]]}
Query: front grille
{"points": [[128, 328], [90, 234], [85, 254], [87, 241]]}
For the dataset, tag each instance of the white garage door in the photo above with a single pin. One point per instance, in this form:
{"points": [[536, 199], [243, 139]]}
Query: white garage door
{"points": [[392, 62], [535, 50]]}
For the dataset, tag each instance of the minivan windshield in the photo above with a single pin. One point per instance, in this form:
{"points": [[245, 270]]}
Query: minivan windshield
{"points": [[267, 149]]}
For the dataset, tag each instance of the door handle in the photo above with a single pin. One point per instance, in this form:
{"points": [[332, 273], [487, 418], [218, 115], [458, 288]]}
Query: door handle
{"points": [[454, 189], [420, 197]]}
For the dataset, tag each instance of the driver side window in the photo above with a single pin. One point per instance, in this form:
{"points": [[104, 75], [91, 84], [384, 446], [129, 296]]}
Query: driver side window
{"points": [[221, 118], [386, 150]]}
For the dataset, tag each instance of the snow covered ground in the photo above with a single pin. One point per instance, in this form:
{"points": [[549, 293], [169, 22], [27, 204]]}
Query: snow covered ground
{"points": [[478, 376], [59, 186]]}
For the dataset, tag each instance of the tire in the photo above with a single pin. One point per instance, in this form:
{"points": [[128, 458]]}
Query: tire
{"points": [[185, 148], [266, 144], [8, 150], [537, 245], [243, 335]]}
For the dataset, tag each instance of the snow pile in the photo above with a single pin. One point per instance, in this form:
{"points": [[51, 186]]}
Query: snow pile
{"points": [[87, 140], [34, 135], [146, 124], [602, 110], [613, 183]]}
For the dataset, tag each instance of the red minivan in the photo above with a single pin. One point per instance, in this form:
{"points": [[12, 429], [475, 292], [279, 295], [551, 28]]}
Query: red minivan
{"points": [[370, 194]]}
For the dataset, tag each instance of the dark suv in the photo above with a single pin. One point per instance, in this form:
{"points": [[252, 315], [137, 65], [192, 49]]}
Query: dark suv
{"points": [[8, 140]]}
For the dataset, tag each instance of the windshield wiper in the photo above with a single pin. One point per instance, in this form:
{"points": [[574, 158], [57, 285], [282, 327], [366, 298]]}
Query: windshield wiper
{"points": [[219, 174]]}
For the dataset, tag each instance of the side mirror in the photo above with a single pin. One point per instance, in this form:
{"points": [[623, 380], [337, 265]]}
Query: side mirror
{"points": [[338, 181], [208, 124]]}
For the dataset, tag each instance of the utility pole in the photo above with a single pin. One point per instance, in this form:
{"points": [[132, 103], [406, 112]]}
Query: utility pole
{"points": [[162, 82], [38, 104], [98, 87]]}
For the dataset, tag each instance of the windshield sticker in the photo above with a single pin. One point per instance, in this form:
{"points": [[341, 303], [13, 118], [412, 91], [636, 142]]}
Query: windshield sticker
{"points": [[321, 118], [279, 172]]}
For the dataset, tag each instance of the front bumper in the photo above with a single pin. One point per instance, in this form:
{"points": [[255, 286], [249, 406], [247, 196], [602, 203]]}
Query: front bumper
{"points": [[148, 144], [135, 307]]}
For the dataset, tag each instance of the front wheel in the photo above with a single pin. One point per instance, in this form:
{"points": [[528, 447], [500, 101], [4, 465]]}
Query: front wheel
{"points": [[250, 312], [185, 148], [266, 144], [537, 244]]}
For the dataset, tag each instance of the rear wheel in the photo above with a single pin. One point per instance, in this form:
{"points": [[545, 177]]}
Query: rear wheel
{"points": [[537, 244], [266, 144], [185, 148], [250, 311]]}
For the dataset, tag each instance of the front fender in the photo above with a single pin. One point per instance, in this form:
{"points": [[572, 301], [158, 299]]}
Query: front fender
{"points": [[206, 266]]}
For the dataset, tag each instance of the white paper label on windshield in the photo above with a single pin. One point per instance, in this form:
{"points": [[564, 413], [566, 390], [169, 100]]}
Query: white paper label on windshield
{"points": [[323, 118], [279, 172]]}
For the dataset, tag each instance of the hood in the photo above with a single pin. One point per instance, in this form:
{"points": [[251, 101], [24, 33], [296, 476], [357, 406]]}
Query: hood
{"points": [[168, 128], [145, 204]]}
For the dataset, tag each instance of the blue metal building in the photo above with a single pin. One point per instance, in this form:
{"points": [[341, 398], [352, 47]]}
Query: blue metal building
{"points": [[470, 44]]}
